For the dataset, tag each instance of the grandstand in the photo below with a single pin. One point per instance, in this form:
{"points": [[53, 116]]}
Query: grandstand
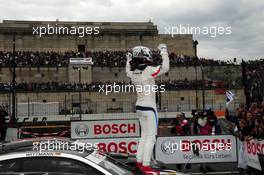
{"points": [[45, 76]]}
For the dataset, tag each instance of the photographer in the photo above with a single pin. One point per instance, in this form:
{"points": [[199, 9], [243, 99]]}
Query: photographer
{"points": [[181, 128], [181, 125], [205, 123]]}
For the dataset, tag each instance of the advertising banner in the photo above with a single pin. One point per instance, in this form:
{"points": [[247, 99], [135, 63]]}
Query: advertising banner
{"points": [[212, 148], [105, 129], [252, 149], [115, 145]]}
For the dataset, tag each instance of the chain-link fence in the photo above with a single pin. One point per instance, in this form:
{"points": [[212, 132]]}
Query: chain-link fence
{"points": [[70, 103], [187, 88]]}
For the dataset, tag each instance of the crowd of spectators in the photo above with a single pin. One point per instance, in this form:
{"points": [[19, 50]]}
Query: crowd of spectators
{"points": [[253, 80], [251, 116], [249, 122], [183, 60], [203, 122], [248, 125], [35, 59], [192, 84], [100, 58], [96, 86]]}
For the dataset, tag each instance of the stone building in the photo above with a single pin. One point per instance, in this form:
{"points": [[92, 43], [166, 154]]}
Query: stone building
{"points": [[69, 36]]}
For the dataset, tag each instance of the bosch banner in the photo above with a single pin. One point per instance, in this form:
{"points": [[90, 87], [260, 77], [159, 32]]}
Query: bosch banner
{"points": [[213, 148], [104, 129], [115, 145], [252, 149]]}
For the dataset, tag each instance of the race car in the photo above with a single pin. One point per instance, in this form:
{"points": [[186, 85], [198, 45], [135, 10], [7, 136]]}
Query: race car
{"points": [[59, 156]]}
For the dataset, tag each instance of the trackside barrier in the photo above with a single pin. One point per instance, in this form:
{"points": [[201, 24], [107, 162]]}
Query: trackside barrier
{"points": [[176, 149], [212, 148], [252, 149], [105, 129], [37, 109], [116, 145]]}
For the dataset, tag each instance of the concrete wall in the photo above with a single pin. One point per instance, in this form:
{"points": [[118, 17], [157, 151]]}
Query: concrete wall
{"points": [[42, 74], [83, 72], [47, 74]]}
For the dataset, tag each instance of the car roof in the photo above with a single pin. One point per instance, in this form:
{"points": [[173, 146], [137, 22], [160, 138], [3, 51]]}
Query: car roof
{"points": [[28, 145]]}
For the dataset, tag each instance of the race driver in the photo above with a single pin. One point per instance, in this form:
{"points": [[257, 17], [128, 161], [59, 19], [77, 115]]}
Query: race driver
{"points": [[141, 70]]}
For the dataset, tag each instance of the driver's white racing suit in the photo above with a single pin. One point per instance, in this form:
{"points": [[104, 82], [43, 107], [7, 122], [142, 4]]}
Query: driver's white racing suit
{"points": [[146, 104]]}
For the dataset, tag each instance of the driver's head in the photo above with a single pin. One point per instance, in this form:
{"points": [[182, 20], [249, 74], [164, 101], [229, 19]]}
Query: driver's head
{"points": [[141, 58]]}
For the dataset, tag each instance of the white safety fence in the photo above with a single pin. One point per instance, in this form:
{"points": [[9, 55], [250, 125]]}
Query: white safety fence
{"points": [[37, 109], [102, 116]]}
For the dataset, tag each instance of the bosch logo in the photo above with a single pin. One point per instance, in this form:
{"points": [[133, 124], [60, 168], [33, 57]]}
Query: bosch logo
{"points": [[169, 147], [255, 148], [82, 130]]}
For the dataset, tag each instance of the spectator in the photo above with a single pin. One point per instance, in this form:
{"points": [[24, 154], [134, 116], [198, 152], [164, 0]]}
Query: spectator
{"points": [[177, 125], [3, 127], [205, 123]]}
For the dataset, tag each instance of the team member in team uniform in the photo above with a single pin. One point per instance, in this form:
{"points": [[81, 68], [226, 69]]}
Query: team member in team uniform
{"points": [[142, 72]]}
